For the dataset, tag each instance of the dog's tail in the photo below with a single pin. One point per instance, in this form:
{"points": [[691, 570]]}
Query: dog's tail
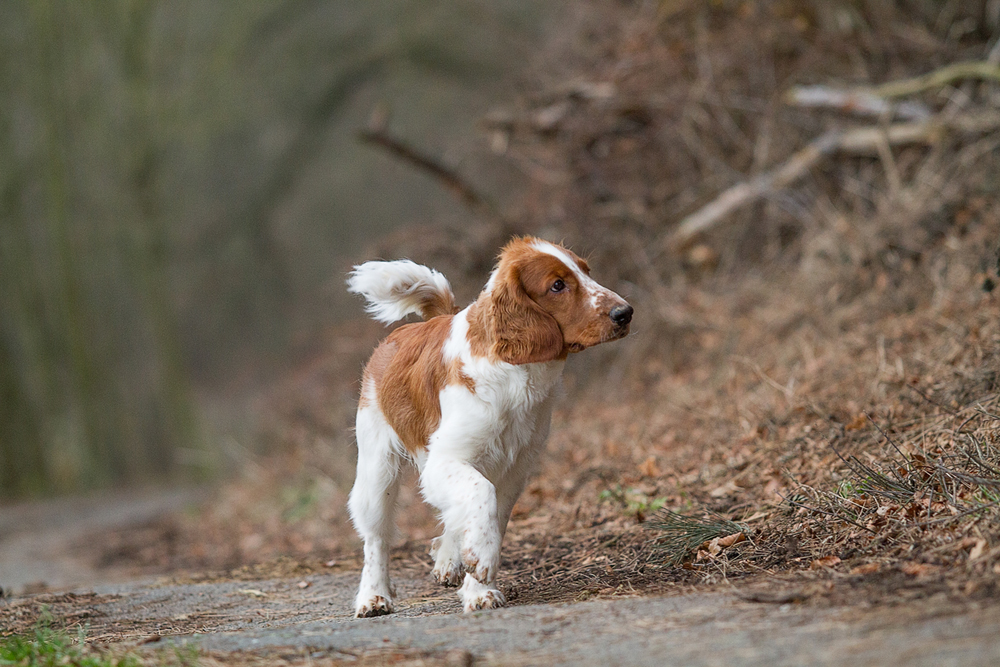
{"points": [[393, 290]]}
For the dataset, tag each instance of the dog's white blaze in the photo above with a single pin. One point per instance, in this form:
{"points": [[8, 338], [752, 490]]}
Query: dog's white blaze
{"points": [[589, 284]]}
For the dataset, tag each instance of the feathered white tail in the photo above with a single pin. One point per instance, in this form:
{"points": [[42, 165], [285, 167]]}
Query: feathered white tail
{"points": [[393, 290]]}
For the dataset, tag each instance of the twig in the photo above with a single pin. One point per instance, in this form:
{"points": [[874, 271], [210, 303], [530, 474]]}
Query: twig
{"points": [[876, 100], [869, 476], [940, 77], [930, 400], [978, 459], [743, 193], [679, 535], [886, 436], [944, 519], [967, 478]]}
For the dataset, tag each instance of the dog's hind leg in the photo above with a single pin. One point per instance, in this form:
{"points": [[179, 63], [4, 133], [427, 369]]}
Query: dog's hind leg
{"points": [[372, 505]]}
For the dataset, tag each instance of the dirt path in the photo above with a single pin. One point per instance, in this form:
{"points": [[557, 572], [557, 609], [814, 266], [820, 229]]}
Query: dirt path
{"points": [[300, 618], [37, 538], [713, 629], [309, 618]]}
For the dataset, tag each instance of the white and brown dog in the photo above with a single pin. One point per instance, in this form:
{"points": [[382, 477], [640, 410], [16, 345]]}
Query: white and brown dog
{"points": [[466, 396]]}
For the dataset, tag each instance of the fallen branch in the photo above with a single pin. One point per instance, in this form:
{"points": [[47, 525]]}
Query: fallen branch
{"points": [[876, 100], [860, 140]]}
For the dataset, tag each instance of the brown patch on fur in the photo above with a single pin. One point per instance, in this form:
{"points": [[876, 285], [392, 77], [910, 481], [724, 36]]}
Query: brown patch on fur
{"points": [[479, 336], [408, 373], [376, 367], [523, 333], [457, 376]]}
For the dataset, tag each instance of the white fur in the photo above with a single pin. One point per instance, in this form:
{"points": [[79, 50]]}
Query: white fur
{"points": [[396, 289], [372, 504]]}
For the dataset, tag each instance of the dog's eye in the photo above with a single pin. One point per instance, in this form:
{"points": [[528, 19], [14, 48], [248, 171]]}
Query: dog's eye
{"points": [[558, 286]]}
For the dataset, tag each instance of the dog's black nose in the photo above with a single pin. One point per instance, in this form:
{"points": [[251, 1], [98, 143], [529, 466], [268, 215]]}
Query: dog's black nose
{"points": [[621, 315]]}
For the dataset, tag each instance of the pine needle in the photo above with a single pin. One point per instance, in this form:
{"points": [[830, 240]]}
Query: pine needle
{"points": [[681, 535]]}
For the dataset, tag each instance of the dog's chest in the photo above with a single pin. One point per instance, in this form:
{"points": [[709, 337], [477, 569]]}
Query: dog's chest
{"points": [[508, 412]]}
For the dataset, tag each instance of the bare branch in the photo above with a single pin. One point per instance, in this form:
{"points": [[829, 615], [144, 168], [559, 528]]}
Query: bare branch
{"points": [[861, 102]]}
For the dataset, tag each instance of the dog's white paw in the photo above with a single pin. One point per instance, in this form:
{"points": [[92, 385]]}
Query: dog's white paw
{"points": [[374, 605], [477, 596], [447, 561], [448, 573], [481, 554], [491, 599]]}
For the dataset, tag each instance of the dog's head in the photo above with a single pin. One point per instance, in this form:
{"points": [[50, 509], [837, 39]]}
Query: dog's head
{"points": [[542, 304]]}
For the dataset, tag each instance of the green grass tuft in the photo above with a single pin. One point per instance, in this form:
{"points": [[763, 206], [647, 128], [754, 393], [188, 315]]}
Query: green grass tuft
{"points": [[48, 647]]}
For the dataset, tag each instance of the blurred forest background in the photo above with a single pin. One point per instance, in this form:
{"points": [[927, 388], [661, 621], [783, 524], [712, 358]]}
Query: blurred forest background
{"points": [[180, 183], [182, 187]]}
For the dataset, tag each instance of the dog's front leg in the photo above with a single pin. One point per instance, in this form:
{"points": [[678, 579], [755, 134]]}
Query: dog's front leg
{"points": [[468, 505]]}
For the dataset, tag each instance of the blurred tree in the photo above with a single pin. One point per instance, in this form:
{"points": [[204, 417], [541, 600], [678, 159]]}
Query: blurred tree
{"points": [[175, 181]]}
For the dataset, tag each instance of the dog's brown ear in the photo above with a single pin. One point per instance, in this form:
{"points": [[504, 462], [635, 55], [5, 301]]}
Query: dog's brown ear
{"points": [[523, 333]]}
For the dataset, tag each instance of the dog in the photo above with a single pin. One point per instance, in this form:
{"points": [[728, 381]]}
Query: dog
{"points": [[466, 396]]}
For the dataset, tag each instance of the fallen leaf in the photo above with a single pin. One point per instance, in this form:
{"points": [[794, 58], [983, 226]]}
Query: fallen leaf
{"points": [[825, 561], [712, 546], [727, 489], [730, 540], [648, 468], [857, 423], [967, 543], [977, 550], [867, 568], [863, 500], [916, 569]]}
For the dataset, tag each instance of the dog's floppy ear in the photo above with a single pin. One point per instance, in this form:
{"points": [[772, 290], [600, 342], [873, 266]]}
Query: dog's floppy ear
{"points": [[523, 333]]}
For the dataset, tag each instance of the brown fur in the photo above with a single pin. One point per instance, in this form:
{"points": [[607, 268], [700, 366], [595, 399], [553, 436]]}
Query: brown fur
{"points": [[408, 372], [438, 304], [523, 332]]}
